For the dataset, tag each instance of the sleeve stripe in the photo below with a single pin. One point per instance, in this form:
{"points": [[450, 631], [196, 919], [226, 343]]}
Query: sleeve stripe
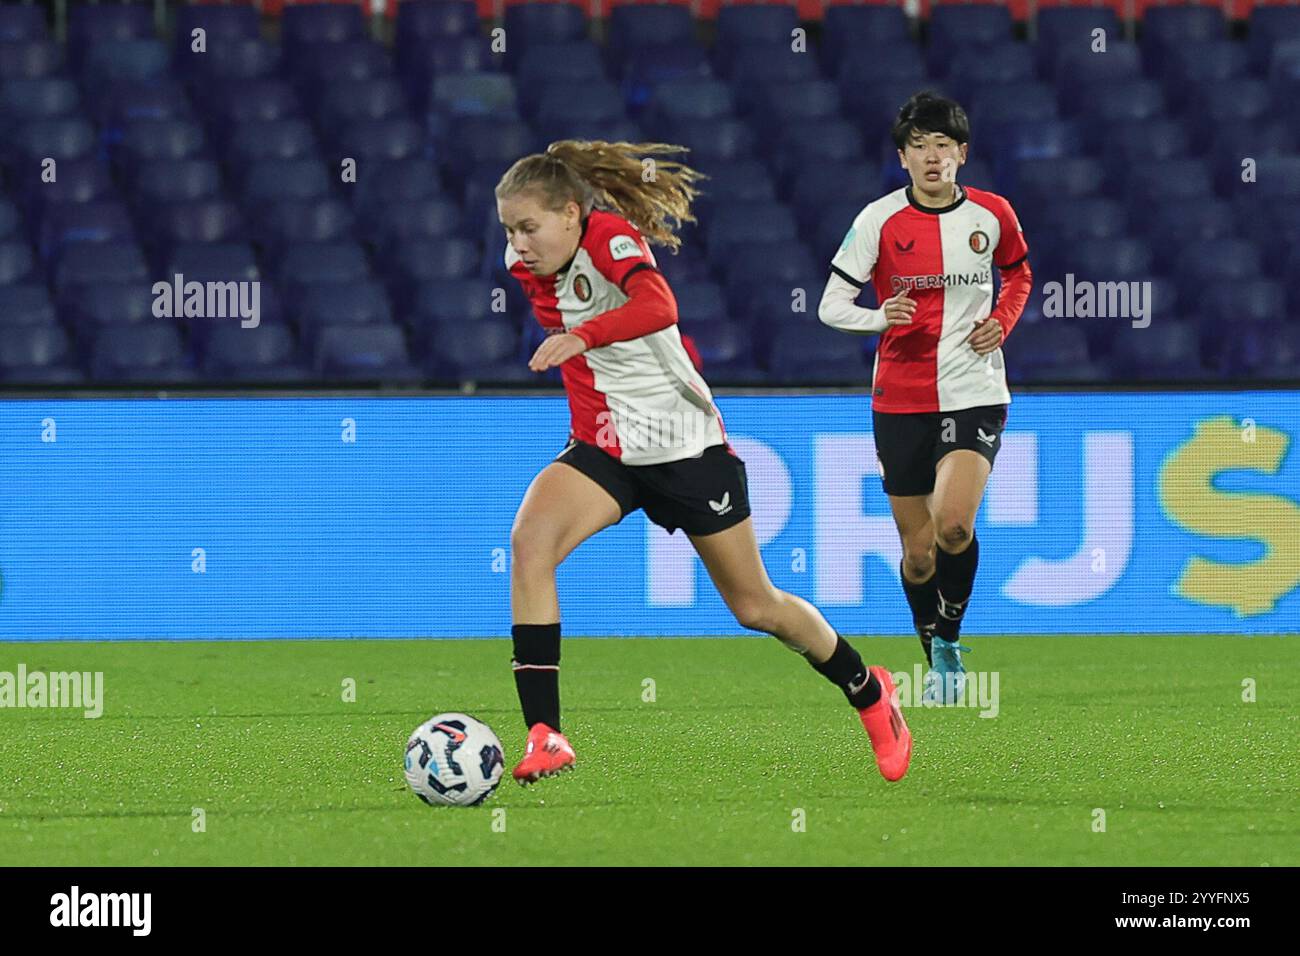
{"points": [[633, 271], [1012, 265], [846, 277]]}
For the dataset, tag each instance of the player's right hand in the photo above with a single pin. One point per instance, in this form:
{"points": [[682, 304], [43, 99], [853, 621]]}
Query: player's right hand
{"points": [[898, 309]]}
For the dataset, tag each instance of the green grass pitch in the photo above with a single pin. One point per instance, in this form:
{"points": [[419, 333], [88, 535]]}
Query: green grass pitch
{"points": [[742, 735]]}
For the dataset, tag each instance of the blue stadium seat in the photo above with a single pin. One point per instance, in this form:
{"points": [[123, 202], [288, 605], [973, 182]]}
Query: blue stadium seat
{"points": [[600, 100], [398, 180], [419, 19], [232, 58], [419, 62], [1000, 63], [217, 22], [32, 346], [879, 64], [632, 28], [57, 139], [1079, 72], [79, 180], [1268, 350], [11, 220], [270, 179], [1202, 61], [1110, 260], [411, 219], [1227, 100], [134, 59], [22, 23], [242, 100], [1171, 227], [689, 264], [782, 104], [213, 262], [687, 99], [256, 140], [1129, 144], [1207, 261], [1033, 349], [700, 303], [1150, 187], [380, 140], [351, 100], [104, 220], [476, 143], [724, 139], [305, 25], [177, 180], [305, 264], [343, 62], [817, 354], [748, 222], [146, 352], [33, 98], [456, 347], [268, 352], [473, 94], [847, 30], [200, 220], [426, 260], [649, 68], [1078, 217], [1227, 310], [1166, 351], [89, 307], [453, 300], [722, 345], [753, 66], [86, 262], [313, 220], [20, 59], [1166, 28], [115, 105], [1062, 30], [836, 182], [532, 23], [93, 25], [956, 27], [741, 28], [356, 301], [27, 304], [150, 139], [1270, 26], [808, 143], [751, 263], [1012, 102], [1113, 102], [365, 353], [744, 181]]}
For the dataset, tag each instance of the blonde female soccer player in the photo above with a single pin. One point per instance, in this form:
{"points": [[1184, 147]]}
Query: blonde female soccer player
{"points": [[645, 433]]}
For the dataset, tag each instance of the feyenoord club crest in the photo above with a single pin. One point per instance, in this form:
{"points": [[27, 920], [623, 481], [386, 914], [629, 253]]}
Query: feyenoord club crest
{"points": [[582, 288], [979, 241]]}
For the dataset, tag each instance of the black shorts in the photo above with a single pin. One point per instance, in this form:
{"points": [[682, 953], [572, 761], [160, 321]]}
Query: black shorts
{"points": [[909, 446], [701, 495]]}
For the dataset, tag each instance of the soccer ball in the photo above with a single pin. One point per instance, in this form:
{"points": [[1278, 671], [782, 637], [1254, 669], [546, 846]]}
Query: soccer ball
{"points": [[453, 760]]}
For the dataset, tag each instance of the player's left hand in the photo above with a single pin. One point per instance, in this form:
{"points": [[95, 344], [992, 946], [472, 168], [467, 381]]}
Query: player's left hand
{"points": [[986, 336], [556, 350]]}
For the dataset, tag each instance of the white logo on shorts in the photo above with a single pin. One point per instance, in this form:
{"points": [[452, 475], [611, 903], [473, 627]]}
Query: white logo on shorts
{"points": [[986, 438], [723, 506]]}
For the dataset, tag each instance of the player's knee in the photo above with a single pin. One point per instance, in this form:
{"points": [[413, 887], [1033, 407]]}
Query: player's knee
{"points": [[755, 611], [954, 533], [531, 549], [918, 558]]}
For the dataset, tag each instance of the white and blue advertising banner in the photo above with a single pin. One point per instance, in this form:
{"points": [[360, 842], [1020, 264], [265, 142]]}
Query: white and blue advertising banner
{"points": [[260, 517]]}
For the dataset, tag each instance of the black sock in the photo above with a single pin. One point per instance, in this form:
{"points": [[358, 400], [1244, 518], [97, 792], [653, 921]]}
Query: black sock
{"points": [[955, 576], [536, 664], [922, 598], [846, 671]]}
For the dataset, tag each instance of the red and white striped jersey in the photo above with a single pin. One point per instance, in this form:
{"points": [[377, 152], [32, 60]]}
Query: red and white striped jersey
{"points": [[944, 258], [639, 399]]}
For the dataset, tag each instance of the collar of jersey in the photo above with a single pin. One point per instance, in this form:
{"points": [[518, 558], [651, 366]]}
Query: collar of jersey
{"points": [[582, 235], [933, 210]]}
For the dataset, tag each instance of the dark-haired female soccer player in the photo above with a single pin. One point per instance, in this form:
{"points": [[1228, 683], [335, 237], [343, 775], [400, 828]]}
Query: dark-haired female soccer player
{"points": [[939, 394], [645, 432]]}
